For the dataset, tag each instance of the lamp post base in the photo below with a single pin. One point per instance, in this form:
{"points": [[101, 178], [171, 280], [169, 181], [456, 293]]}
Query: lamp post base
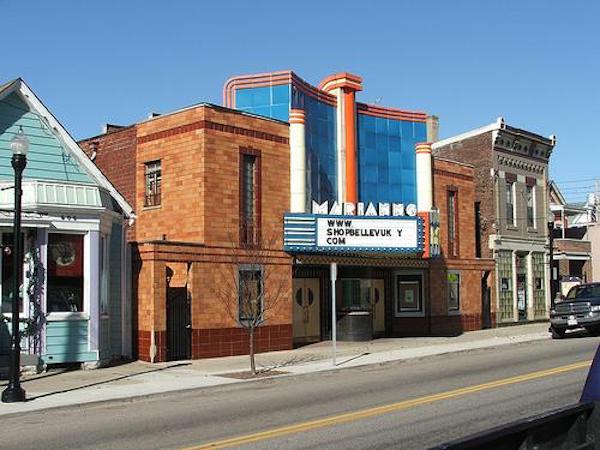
{"points": [[13, 393]]}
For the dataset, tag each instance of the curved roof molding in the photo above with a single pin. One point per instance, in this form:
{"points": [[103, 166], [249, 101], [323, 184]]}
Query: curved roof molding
{"points": [[341, 80], [321, 93], [19, 87]]}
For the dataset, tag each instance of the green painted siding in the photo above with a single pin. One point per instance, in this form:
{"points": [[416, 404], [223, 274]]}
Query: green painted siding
{"points": [[47, 159], [67, 341], [114, 287]]}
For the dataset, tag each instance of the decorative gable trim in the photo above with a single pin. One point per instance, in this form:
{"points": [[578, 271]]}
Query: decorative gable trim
{"points": [[29, 97]]}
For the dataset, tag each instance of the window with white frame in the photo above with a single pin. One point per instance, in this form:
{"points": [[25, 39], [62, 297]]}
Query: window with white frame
{"points": [[65, 273], [453, 291]]}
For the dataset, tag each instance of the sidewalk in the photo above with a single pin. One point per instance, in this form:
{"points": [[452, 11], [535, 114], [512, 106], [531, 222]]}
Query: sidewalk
{"points": [[60, 387]]}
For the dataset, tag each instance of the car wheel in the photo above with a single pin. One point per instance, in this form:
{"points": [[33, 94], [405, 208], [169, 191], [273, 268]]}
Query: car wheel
{"points": [[557, 333]]}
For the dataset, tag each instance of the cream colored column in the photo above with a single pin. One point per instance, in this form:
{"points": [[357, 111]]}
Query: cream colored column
{"points": [[341, 144], [297, 161], [530, 291], [424, 177]]}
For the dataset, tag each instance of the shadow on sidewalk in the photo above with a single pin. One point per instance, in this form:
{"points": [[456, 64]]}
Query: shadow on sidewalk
{"points": [[99, 383]]}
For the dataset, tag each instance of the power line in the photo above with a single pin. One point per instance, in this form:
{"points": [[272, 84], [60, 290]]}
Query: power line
{"points": [[581, 180]]}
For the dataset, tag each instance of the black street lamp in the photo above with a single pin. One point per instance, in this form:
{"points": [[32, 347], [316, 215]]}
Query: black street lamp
{"points": [[14, 392], [553, 288]]}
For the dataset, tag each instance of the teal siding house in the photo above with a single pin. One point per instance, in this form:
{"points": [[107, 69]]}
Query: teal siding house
{"points": [[74, 304]]}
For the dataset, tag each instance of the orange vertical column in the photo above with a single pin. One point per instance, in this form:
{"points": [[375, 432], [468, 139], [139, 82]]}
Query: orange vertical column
{"points": [[344, 86]]}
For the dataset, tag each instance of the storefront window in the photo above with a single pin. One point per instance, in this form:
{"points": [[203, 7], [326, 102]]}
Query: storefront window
{"points": [[505, 273], [8, 272], [65, 273], [408, 289], [453, 291]]}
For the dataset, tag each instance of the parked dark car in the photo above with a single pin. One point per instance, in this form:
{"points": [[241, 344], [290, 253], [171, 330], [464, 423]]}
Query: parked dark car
{"points": [[579, 309]]}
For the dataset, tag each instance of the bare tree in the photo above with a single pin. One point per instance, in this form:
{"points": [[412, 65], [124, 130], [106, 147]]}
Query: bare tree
{"points": [[253, 286]]}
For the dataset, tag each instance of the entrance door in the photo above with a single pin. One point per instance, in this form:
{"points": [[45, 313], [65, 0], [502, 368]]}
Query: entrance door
{"points": [[378, 299], [522, 296], [179, 326], [307, 310]]}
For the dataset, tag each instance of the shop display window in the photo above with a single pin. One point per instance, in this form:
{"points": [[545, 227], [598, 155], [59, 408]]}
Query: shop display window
{"points": [[409, 294], [65, 273]]}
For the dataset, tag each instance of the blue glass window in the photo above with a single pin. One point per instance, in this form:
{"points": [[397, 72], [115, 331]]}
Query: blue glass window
{"points": [[386, 158]]}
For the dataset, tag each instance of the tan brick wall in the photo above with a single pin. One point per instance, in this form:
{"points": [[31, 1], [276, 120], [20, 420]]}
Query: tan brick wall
{"points": [[200, 178], [197, 226]]}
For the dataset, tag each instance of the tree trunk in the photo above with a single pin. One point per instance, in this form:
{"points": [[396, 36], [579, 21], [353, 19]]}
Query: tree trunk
{"points": [[251, 351]]}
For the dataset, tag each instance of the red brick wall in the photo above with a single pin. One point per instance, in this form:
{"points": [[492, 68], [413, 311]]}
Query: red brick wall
{"points": [[459, 177], [115, 157], [477, 151]]}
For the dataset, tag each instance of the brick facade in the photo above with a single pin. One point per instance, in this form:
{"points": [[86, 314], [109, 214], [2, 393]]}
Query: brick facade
{"points": [[510, 175], [457, 177], [115, 154], [470, 151], [191, 239]]}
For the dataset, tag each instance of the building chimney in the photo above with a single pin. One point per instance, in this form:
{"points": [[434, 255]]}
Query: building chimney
{"points": [[433, 127], [110, 127]]}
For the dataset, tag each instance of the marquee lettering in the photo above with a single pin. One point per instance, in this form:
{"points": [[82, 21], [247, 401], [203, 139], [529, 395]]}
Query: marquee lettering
{"points": [[364, 209]]}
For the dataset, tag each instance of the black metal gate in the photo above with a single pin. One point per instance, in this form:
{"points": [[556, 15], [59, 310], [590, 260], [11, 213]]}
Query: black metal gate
{"points": [[486, 307], [179, 324]]}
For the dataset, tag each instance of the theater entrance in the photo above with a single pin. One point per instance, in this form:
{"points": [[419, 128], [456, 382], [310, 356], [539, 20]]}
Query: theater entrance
{"points": [[307, 310]]}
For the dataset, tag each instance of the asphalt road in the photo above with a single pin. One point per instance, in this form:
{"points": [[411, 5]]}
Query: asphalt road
{"points": [[412, 404]]}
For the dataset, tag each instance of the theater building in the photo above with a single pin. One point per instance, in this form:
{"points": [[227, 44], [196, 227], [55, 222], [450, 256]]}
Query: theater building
{"points": [[371, 211], [309, 177]]}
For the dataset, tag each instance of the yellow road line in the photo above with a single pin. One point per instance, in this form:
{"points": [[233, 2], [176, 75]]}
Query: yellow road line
{"points": [[369, 412]]}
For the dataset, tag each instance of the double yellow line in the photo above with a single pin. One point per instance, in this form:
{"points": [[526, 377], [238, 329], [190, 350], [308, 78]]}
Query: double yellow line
{"points": [[370, 412]]}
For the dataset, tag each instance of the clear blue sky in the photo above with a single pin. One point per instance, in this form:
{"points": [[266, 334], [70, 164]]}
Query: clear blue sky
{"points": [[534, 62]]}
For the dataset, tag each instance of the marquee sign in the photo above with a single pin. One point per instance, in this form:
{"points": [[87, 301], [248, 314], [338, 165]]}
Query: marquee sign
{"points": [[312, 233], [366, 233]]}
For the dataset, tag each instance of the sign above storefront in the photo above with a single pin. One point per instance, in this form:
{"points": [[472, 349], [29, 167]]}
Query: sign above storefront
{"points": [[366, 233], [364, 209], [312, 233]]}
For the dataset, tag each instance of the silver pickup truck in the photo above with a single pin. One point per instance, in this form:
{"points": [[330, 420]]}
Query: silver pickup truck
{"points": [[579, 309]]}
